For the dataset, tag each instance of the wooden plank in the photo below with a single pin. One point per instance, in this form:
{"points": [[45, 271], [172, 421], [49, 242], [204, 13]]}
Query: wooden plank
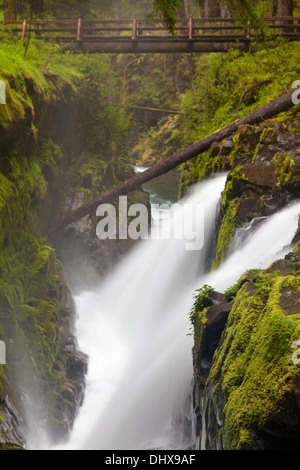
{"points": [[53, 22], [219, 28], [58, 38], [8, 22], [160, 47], [157, 39], [128, 21], [108, 21], [87, 28], [13, 30], [57, 30]]}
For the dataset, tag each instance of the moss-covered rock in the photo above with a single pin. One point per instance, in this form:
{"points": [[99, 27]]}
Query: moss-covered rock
{"points": [[251, 387], [264, 177]]}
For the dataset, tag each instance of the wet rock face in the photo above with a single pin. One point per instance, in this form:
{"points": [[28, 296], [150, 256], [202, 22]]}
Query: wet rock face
{"points": [[74, 364], [264, 177], [12, 426], [218, 306]]}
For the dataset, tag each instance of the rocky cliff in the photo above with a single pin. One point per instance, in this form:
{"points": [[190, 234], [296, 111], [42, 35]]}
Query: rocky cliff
{"points": [[246, 387], [54, 154]]}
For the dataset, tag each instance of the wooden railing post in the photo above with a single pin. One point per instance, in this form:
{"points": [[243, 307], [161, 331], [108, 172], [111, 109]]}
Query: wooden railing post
{"points": [[79, 30], [190, 27], [134, 29], [248, 30], [24, 30]]}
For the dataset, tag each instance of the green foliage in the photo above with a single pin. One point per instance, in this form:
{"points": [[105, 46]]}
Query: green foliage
{"points": [[262, 283], [221, 79], [232, 290], [226, 232], [244, 11], [167, 10], [280, 331], [199, 302]]}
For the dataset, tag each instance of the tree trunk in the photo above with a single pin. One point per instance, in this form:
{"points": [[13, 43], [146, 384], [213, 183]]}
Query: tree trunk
{"points": [[10, 10], [36, 7], [212, 9], [275, 107], [285, 7], [274, 6], [182, 12], [117, 9]]}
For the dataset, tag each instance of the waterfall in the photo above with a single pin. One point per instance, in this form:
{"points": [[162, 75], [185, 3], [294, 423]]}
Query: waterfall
{"points": [[267, 243], [135, 329]]}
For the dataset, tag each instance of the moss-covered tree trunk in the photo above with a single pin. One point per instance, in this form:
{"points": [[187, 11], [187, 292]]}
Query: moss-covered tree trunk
{"points": [[10, 10]]}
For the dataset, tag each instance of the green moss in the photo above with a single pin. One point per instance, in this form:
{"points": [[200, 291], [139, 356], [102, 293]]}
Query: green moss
{"points": [[226, 232], [284, 171], [253, 365]]}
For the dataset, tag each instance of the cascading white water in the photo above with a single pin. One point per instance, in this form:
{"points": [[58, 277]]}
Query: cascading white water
{"points": [[271, 241], [135, 331]]}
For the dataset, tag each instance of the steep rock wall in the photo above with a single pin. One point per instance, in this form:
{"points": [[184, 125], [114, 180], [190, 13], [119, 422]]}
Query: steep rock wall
{"points": [[246, 386], [45, 163]]}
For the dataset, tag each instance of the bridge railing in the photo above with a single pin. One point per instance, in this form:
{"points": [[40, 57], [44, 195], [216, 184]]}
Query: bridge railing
{"points": [[193, 29]]}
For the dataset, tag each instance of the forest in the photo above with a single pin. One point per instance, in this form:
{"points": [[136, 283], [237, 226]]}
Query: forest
{"points": [[130, 340]]}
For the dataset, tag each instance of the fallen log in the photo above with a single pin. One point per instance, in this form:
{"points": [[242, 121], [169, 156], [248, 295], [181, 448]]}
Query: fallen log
{"points": [[271, 109]]}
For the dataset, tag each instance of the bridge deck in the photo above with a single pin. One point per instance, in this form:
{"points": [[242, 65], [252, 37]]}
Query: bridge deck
{"points": [[141, 36]]}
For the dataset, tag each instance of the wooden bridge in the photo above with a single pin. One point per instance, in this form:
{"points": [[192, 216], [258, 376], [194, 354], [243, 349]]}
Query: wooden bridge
{"points": [[142, 36]]}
